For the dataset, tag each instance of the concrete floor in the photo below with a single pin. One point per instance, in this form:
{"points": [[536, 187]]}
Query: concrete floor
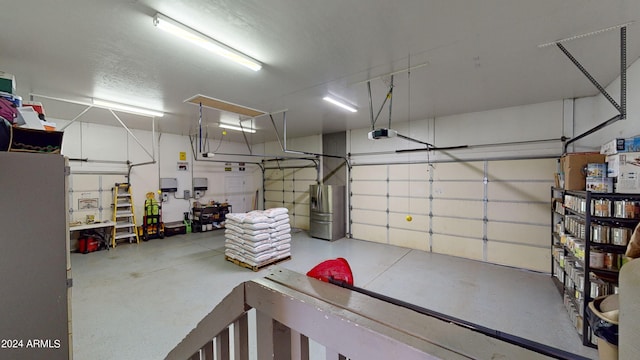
{"points": [[139, 301]]}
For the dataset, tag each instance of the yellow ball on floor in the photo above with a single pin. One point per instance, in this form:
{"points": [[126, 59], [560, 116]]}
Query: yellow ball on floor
{"points": [[409, 218]]}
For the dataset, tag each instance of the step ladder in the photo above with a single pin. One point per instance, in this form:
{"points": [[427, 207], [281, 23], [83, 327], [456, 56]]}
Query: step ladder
{"points": [[124, 216]]}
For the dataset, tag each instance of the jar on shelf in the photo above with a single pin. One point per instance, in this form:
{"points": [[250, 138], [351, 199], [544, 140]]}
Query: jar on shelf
{"points": [[626, 209], [610, 261], [620, 235], [601, 207], [600, 233], [596, 259]]}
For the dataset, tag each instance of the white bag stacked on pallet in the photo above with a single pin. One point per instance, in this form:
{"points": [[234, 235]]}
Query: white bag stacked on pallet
{"points": [[258, 237]]}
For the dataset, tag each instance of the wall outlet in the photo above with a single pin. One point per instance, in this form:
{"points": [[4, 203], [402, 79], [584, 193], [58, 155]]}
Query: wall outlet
{"points": [[187, 194]]}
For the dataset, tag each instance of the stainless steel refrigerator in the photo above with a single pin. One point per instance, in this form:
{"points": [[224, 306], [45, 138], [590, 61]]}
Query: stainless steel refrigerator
{"points": [[327, 213]]}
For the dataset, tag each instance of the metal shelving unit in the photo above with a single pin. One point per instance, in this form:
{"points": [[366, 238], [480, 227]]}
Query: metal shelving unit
{"points": [[573, 242]]}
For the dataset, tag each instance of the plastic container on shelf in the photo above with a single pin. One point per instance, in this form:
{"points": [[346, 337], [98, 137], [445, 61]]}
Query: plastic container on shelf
{"points": [[602, 315]]}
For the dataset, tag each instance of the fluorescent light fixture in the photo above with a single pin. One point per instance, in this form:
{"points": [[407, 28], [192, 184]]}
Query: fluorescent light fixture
{"points": [[126, 108], [340, 104], [237, 128], [171, 26]]}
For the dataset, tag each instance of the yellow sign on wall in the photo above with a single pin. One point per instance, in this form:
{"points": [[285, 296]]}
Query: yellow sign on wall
{"points": [[183, 155]]}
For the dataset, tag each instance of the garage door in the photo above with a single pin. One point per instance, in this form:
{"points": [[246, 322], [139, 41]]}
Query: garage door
{"points": [[288, 186], [494, 211], [91, 194]]}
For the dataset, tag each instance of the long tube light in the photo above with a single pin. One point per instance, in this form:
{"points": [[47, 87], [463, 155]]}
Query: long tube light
{"points": [[237, 128], [186, 33], [340, 104], [126, 108]]}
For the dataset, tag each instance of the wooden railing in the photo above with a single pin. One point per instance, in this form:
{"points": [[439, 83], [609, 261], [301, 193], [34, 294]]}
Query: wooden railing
{"points": [[291, 309]]}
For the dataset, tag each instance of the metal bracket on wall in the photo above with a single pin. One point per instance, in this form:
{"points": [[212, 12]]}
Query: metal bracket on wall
{"points": [[622, 106]]}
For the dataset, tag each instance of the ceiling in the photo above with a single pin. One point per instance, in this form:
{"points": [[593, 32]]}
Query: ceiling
{"points": [[471, 56]]}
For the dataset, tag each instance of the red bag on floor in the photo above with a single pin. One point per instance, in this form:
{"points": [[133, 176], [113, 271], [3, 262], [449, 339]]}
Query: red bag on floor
{"points": [[336, 269]]}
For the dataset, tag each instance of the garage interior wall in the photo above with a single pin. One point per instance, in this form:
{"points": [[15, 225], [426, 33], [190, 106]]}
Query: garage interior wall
{"points": [[107, 149], [513, 148], [488, 202]]}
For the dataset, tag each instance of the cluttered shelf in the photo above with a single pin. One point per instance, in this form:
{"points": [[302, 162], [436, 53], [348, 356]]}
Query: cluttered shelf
{"points": [[23, 126], [595, 209]]}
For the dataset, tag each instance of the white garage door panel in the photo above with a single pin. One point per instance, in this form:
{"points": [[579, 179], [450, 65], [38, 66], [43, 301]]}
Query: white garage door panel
{"points": [[458, 190], [539, 169], [369, 217], [309, 174], [418, 222], [519, 256], [471, 209], [414, 172], [273, 174], [289, 173], [302, 185], [457, 246], [378, 172], [516, 207], [369, 187], [522, 212], [410, 239], [88, 188], [289, 197], [459, 171], [409, 205], [273, 204], [518, 233], [302, 198], [300, 222], [520, 191], [288, 185], [276, 196], [460, 227], [368, 202], [302, 210], [401, 188], [369, 232], [276, 185]]}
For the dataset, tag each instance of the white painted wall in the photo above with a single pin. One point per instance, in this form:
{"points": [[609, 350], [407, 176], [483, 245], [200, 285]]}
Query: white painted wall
{"points": [[525, 123]]}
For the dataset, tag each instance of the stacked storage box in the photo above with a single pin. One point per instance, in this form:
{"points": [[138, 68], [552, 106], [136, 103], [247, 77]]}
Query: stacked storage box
{"points": [[258, 237]]}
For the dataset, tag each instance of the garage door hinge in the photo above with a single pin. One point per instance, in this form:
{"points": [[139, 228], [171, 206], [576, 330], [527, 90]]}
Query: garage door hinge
{"points": [[67, 170], [69, 283]]}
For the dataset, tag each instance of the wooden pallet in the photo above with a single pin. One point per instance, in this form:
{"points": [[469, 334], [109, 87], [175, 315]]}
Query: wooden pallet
{"points": [[256, 267]]}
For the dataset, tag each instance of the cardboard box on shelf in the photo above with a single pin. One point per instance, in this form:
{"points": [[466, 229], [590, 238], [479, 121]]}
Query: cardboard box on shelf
{"points": [[626, 167], [573, 167], [600, 185], [623, 162], [621, 145]]}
